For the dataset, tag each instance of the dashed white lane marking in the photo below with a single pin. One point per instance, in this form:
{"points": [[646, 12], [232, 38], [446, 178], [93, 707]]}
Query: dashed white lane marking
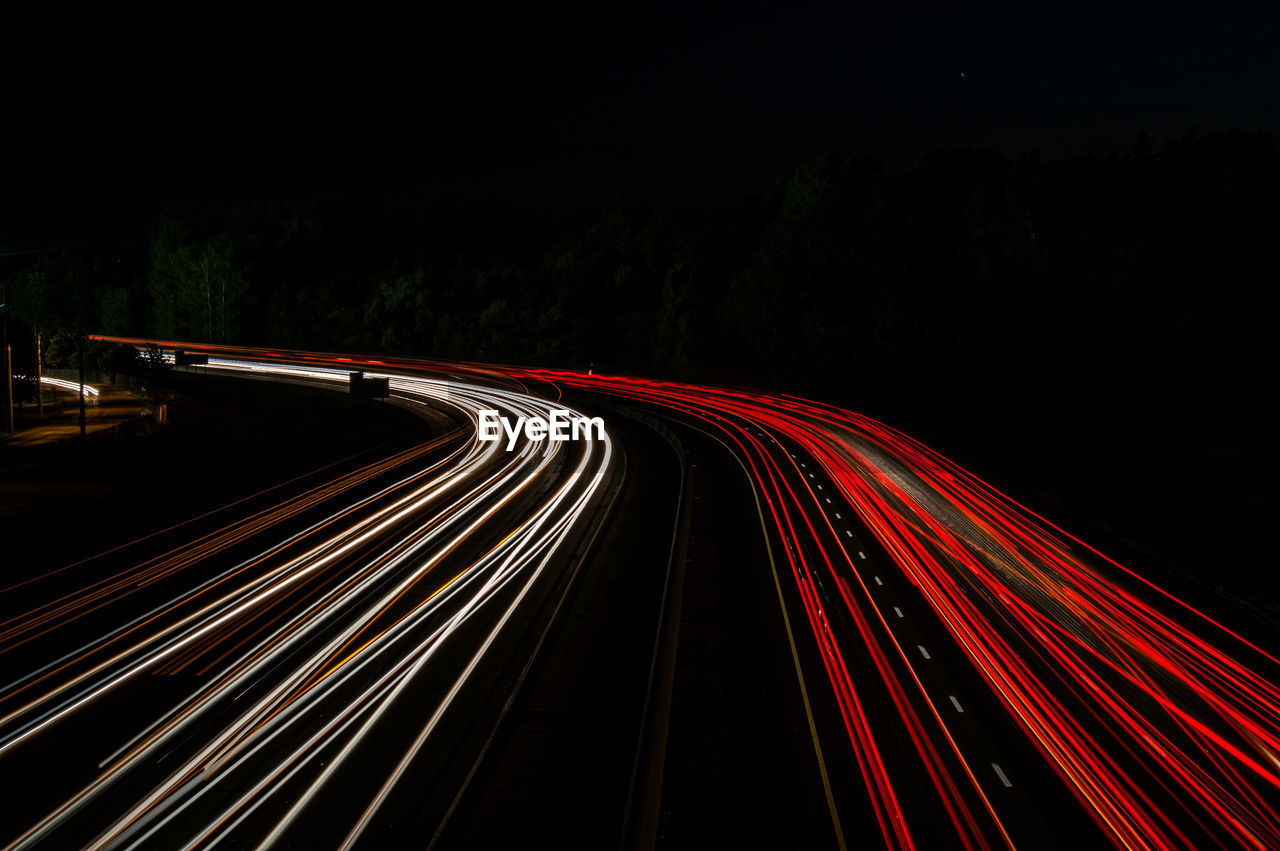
{"points": [[1001, 775], [828, 499], [923, 652], [898, 612], [837, 515], [861, 554], [820, 488], [848, 533], [811, 475], [879, 581], [956, 703]]}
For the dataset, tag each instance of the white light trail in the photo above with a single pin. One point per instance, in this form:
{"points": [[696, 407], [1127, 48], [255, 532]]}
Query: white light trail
{"points": [[73, 386], [317, 637]]}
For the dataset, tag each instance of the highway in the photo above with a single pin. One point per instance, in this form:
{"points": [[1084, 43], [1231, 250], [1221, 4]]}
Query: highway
{"points": [[1160, 724], [324, 638], [946, 667]]}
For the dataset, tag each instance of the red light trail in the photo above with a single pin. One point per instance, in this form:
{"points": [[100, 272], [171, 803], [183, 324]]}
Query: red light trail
{"points": [[1162, 724]]}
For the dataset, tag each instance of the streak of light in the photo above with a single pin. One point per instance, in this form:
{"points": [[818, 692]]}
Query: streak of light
{"points": [[309, 643], [73, 386]]}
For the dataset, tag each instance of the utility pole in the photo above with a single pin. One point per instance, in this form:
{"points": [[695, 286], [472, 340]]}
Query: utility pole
{"points": [[8, 369], [39, 379], [80, 346], [8, 389]]}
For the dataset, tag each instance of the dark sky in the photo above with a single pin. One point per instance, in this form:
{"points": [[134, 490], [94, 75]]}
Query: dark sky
{"points": [[106, 116]]}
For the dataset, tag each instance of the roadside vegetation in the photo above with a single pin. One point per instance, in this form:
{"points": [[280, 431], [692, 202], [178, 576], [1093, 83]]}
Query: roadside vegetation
{"points": [[1088, 330]]}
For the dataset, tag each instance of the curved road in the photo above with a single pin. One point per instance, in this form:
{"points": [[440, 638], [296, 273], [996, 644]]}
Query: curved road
{"points": [[322, 640], [960, 671]]}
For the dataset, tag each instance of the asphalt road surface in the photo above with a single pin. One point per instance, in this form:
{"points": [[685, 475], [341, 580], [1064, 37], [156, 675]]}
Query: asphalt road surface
{"points": [[735, 618]]}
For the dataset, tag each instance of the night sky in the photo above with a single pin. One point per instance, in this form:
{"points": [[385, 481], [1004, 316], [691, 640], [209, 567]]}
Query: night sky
{"points": [[107, 117]]}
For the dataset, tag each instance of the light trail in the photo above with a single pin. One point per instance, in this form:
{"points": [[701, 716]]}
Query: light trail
{"points": [[1141, 705], [1161, 725], [73, 386], [311, 643]]}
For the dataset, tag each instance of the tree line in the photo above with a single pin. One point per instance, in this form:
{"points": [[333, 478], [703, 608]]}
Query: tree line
{"points": [[970, 272], [1054, 309]]}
